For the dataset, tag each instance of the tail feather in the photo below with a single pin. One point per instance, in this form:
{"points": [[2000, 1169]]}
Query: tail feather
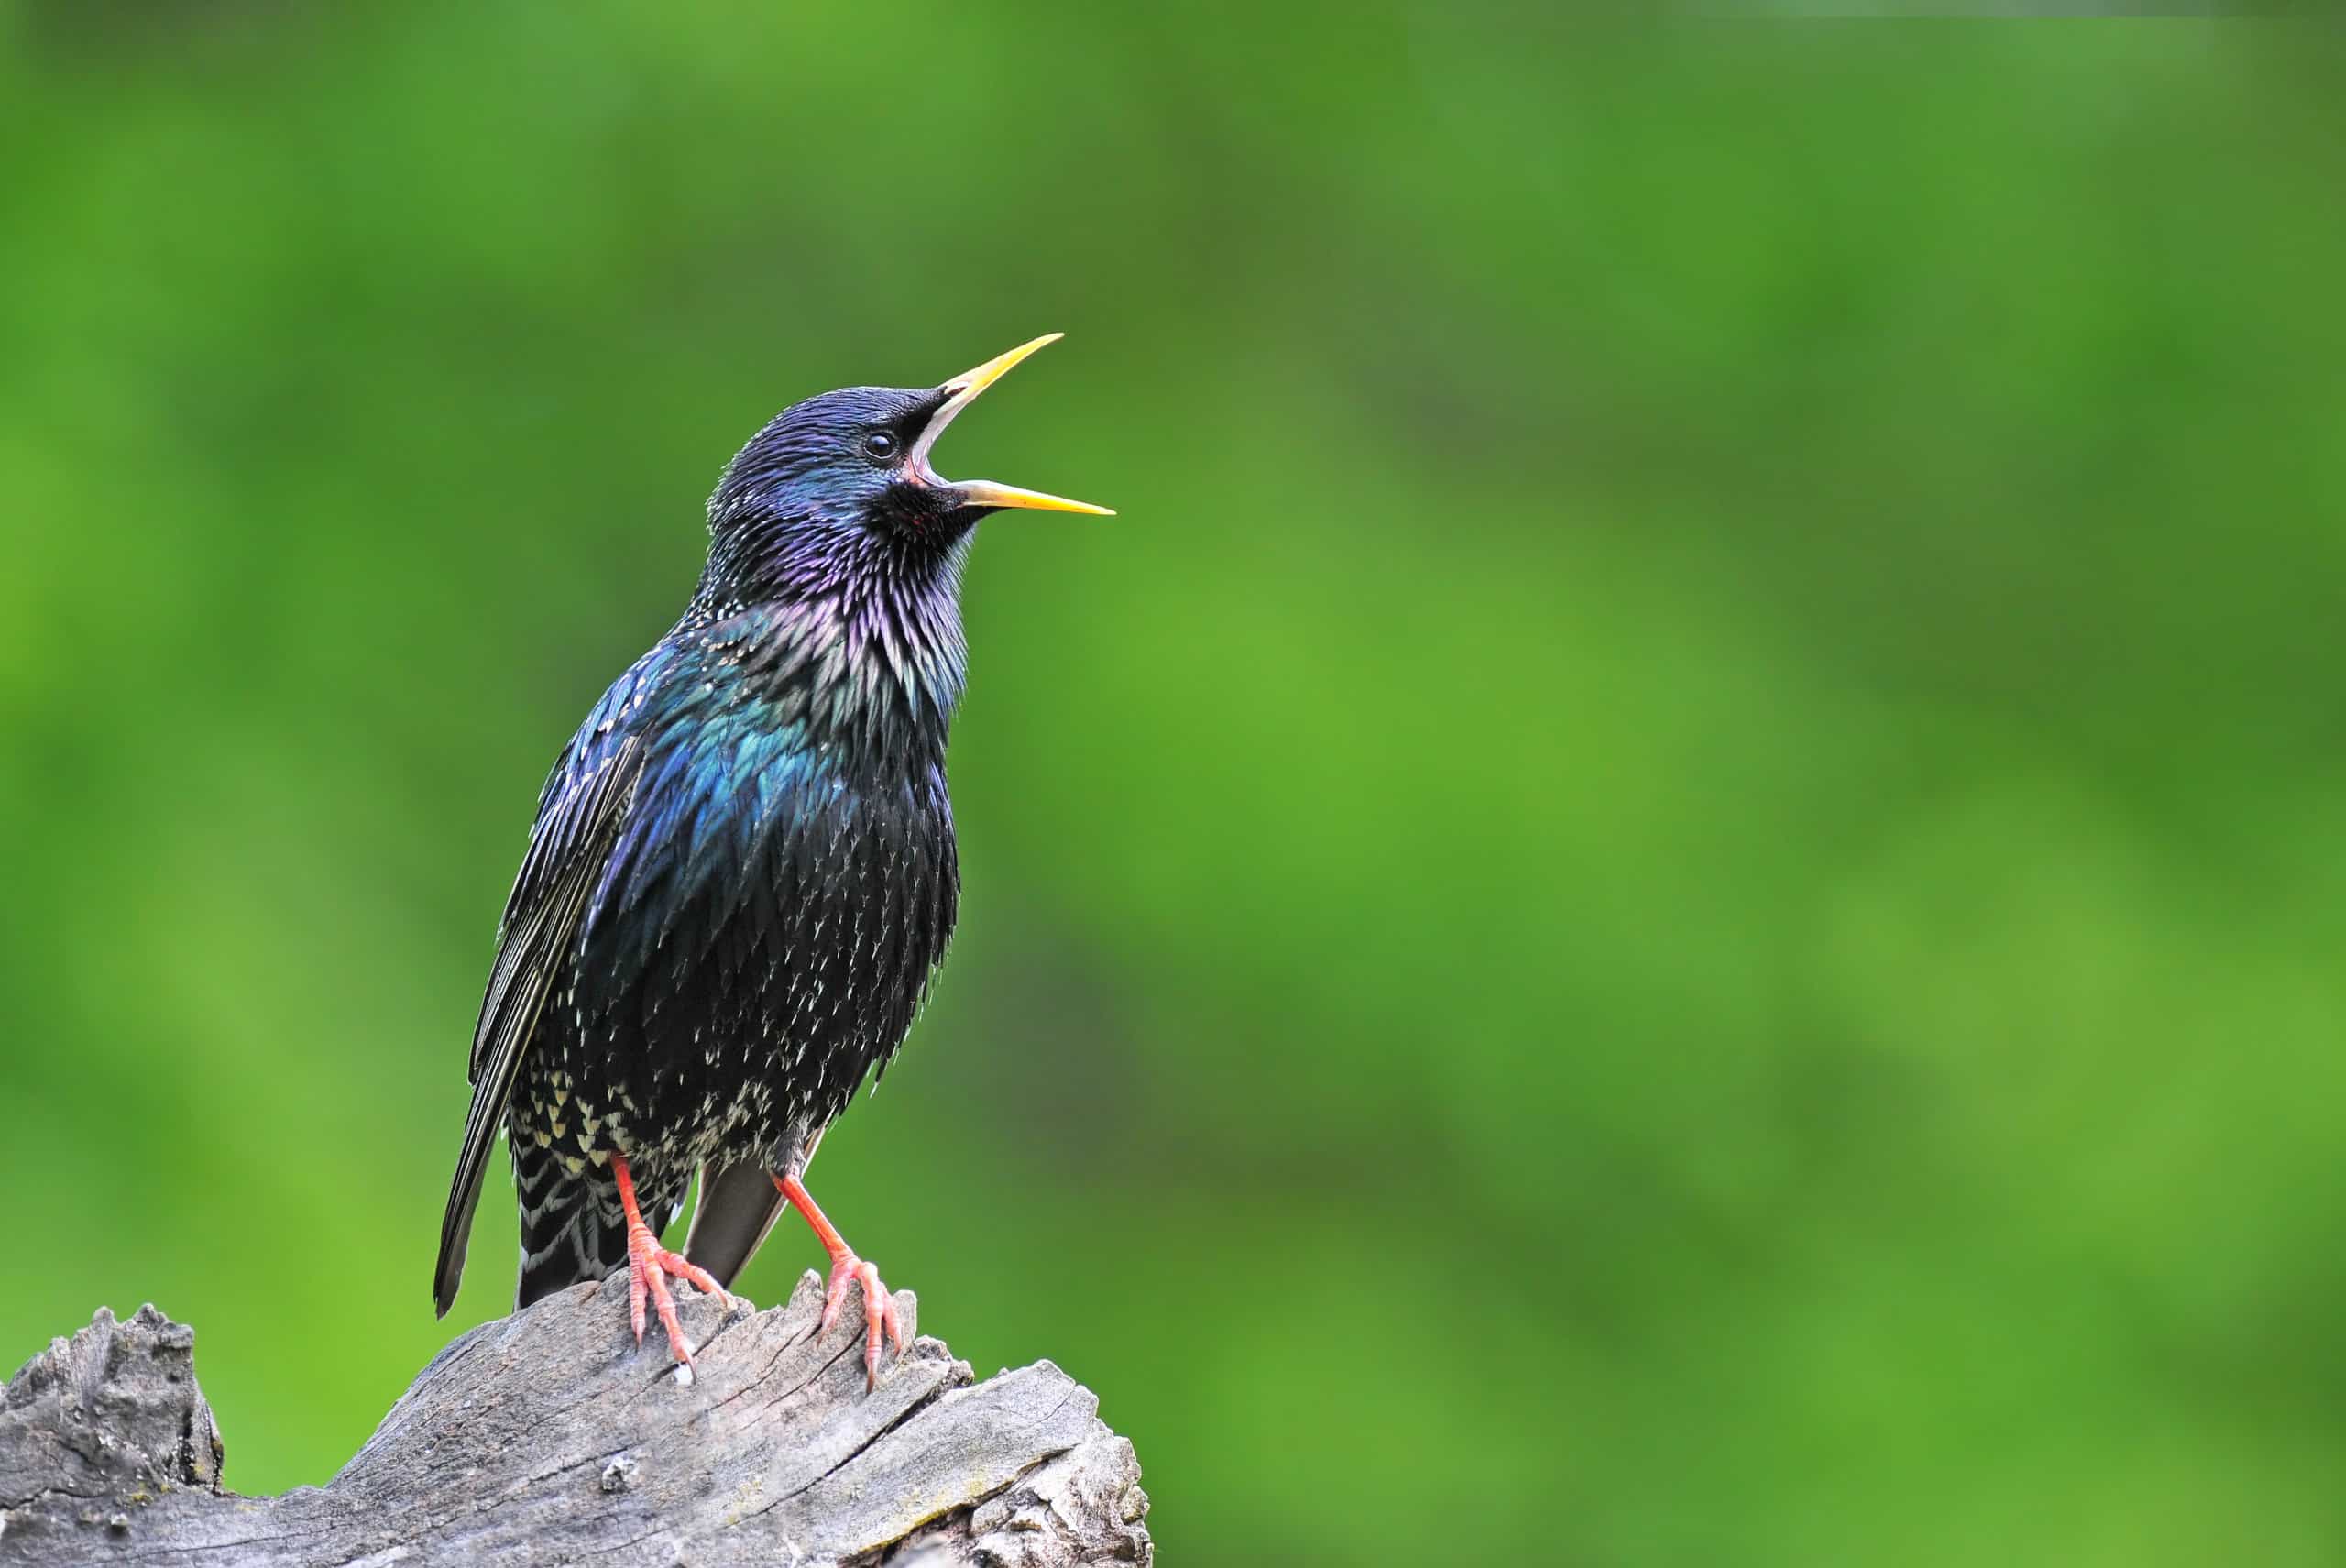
{"points": [[738, 1206], [572, 1228]]}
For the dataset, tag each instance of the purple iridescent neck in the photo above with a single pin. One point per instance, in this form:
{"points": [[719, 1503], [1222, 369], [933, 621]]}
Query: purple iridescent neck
{"points": [[852, 632]]}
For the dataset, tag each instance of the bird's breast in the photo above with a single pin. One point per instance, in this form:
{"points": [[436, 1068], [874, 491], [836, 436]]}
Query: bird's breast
{"points": [[769, 925]]}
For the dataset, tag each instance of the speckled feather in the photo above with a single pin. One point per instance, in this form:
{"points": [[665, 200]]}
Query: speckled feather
{"points": [[742, 875]]}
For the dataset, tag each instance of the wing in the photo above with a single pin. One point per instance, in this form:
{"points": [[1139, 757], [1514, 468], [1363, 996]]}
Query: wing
{"points": [[586, 803]]}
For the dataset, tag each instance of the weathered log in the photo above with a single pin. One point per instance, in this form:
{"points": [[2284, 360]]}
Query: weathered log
{"points": [[548, 1437]]}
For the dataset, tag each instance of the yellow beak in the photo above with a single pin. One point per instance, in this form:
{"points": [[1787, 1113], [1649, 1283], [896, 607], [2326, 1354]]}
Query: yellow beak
{"points": [[962, 391]]}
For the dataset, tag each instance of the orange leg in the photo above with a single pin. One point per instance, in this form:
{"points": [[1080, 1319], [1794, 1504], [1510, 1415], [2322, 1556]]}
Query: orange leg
{"points": [[878, 1308], [648, 1266]]}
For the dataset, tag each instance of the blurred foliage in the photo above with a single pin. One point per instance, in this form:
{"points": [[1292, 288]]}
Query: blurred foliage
{"points": [[1672, 894]]}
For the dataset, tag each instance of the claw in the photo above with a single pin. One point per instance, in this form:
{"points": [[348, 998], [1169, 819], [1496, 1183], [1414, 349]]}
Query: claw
{"points": [[879, 1314], [648, 1265]]}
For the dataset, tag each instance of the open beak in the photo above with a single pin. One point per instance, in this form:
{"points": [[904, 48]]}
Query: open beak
{"points": [[961, 391]]}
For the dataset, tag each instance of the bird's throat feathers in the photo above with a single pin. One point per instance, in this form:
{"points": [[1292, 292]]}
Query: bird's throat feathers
{"points": [[849, 635]]}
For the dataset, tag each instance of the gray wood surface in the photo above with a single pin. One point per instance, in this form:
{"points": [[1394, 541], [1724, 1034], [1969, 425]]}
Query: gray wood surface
{"points": [[549, 1438]]}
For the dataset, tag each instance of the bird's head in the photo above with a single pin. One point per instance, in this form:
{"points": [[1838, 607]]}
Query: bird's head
{"points": [[847, 477]]}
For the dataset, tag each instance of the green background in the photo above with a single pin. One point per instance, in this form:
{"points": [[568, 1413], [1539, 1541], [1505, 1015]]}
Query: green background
{"points": [[1672, 893]]}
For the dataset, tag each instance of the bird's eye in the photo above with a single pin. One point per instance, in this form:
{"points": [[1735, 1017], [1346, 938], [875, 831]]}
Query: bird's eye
{"points": [[879, 444]]}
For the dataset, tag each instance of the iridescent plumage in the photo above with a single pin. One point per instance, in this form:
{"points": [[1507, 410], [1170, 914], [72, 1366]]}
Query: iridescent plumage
{"points": [[742, 875]]}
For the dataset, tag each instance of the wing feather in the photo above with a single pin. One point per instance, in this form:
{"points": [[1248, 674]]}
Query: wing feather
{"points": [[568, 853]]}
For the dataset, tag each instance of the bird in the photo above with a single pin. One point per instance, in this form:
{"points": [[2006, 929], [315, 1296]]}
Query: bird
{"points": [[742, 875]]}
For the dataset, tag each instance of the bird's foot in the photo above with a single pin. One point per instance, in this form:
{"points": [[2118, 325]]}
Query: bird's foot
{"points": [[649, 1265], [879, 1314]]}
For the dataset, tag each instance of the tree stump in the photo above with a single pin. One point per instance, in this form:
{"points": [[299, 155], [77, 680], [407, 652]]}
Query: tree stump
{"points": [[548, 1437]]}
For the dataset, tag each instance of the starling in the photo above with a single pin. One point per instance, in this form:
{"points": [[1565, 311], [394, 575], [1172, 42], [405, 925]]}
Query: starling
{"points": [[742, 875]]}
